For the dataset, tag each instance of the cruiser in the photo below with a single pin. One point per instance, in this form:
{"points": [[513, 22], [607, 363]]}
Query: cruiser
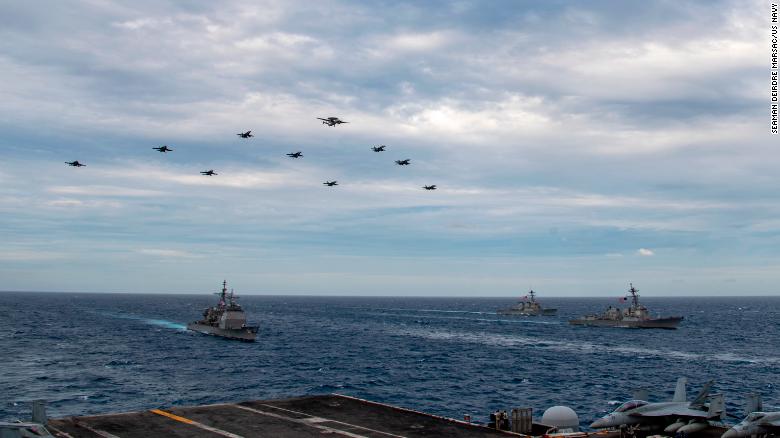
{"points": [[635, 316], [227, 319], [528, 306]]}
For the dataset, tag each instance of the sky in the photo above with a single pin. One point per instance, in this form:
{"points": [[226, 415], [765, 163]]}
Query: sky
{"points": [[576, 146]]}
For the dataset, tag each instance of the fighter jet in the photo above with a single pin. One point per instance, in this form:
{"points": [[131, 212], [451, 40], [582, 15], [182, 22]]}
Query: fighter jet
{"points": [[431, 187], [330, 183], [164, 148], [757, 423], [209, 172], [295, 155], [380, 148], [403, 162], [75, 163], [331, 121], [245, 134], [677, 415]]}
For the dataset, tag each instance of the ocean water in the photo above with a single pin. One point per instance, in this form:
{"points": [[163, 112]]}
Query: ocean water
{"points": [[98, 353]]}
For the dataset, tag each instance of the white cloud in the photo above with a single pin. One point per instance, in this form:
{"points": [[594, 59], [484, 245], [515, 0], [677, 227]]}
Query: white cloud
{"points": [[168, 253], [645, 252], [418, 42], [93, 190]]}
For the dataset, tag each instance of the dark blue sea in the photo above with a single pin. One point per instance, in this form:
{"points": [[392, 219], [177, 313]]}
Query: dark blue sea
{"points": [[98, 353]]}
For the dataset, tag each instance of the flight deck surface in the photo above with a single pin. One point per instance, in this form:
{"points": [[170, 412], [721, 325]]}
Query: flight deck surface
{"points": [[334, 415]]}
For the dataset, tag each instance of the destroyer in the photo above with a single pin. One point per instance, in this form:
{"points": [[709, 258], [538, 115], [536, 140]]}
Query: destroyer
{"points": [[528, 306], [635, 316], [226, 319]]}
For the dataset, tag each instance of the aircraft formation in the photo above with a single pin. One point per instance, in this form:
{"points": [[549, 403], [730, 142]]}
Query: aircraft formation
{"points": [[328, 121], [680, 417]]}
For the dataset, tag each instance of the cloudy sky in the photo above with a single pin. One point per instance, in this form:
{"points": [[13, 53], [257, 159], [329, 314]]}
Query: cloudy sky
{"points": [[577, 146]]}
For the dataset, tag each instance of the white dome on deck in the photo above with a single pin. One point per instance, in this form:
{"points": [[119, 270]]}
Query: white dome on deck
{"points": [[561, 417]]}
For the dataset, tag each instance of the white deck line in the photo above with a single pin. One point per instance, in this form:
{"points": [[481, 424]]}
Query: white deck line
{"points": [[58, 432], [99, 432], [451, 420], [311, 422], [312, 418], [191, 422]]}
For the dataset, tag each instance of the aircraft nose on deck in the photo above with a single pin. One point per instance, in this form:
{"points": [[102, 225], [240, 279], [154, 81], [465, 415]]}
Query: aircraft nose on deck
{"points": [[601, 423]]}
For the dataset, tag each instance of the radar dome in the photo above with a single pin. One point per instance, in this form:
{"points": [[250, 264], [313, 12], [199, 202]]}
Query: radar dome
{"points": [[562, 417]]}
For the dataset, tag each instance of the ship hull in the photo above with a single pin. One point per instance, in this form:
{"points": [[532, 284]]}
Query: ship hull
{"points": [[670, 323], [246, 334]]}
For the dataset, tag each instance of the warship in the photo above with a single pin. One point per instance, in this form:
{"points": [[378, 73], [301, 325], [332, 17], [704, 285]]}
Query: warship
{"points": [[635, 316], [528, 306], [227, 319]]}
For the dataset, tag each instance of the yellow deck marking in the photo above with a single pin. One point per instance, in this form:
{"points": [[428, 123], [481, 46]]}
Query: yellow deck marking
{"points": [[196, 424], [175, 417]]}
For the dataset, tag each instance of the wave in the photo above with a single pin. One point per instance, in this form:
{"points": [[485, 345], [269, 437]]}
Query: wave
{"points": [[435, 310], [580, 347], [509, 321]]}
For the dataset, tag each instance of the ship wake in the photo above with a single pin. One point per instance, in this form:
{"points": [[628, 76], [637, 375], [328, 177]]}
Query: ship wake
{"points": [[150, 321]]}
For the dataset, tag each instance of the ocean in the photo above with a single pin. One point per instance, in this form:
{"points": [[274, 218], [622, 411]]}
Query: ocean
{"points": [[98, 353]]}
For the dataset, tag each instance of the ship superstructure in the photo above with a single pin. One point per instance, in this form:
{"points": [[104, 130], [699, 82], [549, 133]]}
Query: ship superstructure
{"points": [[227, 319], [634, 316], [528, 306]]}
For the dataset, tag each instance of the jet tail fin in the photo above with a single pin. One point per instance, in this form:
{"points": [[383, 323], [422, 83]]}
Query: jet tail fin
{"points": [[679, 390], [702, 396], [640, 394], [754, 404], [717, 407]]}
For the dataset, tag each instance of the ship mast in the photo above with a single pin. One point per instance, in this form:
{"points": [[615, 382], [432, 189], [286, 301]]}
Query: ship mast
{"points": [[532, 294], [634, 295], [223, 296]]}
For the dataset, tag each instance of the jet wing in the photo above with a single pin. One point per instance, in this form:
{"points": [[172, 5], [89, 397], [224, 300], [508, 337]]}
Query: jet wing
{"points": [[770, 424], [671, 411]]}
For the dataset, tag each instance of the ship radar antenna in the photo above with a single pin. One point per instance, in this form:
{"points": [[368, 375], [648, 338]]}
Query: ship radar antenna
{"points": [[634, 295], [224, 291]]}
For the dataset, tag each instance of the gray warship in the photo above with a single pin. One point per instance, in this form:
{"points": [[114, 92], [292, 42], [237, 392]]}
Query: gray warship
{"points": [[635, 316], [528, 306], [227, 319]]}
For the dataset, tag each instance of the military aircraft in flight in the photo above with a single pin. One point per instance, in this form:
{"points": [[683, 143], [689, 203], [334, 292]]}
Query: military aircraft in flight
{"points": [[380, 148], [403, 162], [164, 148], [209, 172], [245, 134], [677, 415], [430, 187], [330, 183], [295, 155], [75, 163], [757, 422], [331, 121]]}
